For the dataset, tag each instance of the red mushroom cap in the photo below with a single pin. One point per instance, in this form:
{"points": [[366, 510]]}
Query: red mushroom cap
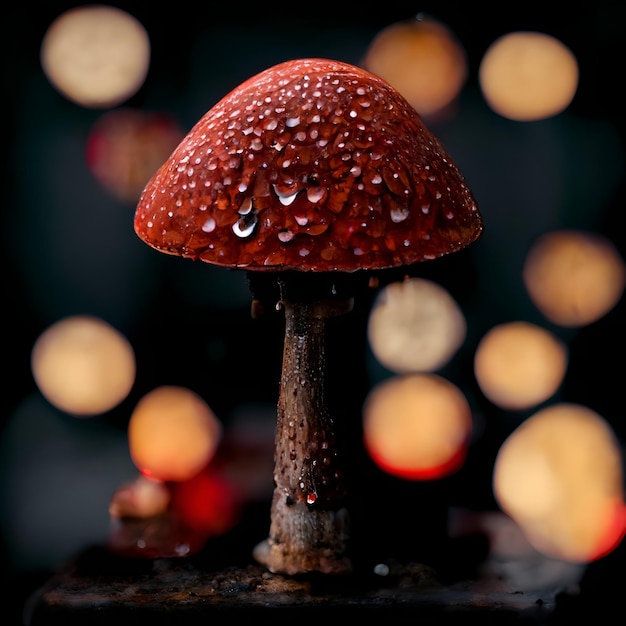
{"points": [[312, 165]]}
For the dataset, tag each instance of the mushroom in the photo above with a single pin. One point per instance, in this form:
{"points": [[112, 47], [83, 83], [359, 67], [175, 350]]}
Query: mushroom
{"points": [[309, 175]]}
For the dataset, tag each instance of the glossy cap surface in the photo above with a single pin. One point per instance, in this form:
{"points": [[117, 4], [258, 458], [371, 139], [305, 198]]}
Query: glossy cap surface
{"points": [[312, 165]]}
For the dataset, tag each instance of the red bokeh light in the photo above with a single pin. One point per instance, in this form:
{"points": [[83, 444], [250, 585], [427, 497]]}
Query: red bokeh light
{"points": [[207, 503]]}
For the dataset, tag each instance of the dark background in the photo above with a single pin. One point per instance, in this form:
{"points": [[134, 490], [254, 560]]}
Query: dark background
{"points": [[68, 247]]}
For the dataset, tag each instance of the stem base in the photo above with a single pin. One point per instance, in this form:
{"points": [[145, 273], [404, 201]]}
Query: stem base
{"points": [[309, 540]]}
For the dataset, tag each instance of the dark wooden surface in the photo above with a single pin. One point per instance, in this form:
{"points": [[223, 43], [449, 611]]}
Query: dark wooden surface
{"points": [[100, 588]]}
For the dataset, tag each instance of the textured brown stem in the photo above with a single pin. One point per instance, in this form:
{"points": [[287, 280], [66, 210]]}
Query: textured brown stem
{"points": [[309, 522]]}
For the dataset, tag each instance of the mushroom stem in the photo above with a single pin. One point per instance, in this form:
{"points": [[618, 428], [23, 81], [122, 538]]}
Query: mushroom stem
{"points": [[309, 525]]}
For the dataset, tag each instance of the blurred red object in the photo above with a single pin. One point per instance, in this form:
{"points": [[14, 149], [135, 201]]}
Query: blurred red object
{"points": [[208, 503], [203, 507], [126, 146]]}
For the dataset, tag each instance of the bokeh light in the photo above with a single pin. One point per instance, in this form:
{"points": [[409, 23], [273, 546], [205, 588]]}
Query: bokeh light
{"points": [[173, 433], [417, 426], [518, 364], [559, 476], [207, 503], [574, 277], [141, 497], [154, 519], [415, 325], [83, 365], [527, 76], [96, 55], [126, 146], [423, 60]]}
